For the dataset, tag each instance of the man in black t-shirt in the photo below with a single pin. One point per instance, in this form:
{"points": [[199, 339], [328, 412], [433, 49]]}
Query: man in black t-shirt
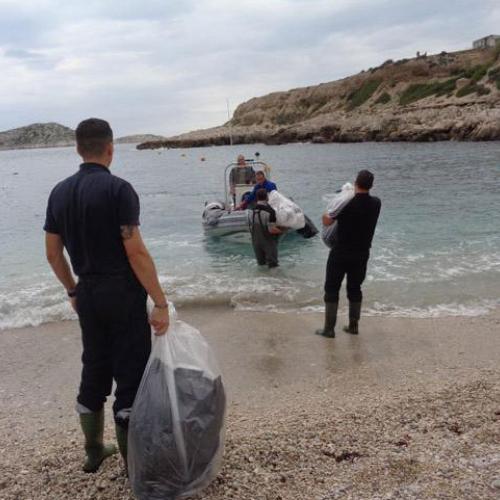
{"points": [[350, 253], [95, 217]]}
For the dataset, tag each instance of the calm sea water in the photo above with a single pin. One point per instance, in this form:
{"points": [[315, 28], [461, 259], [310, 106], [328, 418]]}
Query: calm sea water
{"points": [[436, 250]]}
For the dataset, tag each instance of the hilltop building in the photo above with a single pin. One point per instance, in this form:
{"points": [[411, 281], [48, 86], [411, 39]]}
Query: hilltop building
{"points": [[487, 42]]}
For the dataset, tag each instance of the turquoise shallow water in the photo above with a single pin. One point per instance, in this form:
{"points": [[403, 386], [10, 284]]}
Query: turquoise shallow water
{"points": [[436, 250]]}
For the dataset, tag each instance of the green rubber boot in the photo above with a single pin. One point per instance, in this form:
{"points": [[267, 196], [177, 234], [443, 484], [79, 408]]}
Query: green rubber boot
{"points": [[330, 320], [122, 440], [93, 429]]}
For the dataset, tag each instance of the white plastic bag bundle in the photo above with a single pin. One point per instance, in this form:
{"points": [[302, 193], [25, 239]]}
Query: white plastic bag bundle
{"points": [[342, 197], [176, 428], [288, 213]]}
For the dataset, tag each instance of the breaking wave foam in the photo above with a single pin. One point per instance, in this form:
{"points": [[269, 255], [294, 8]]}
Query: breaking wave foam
{"points": [[47, 302], [476, 308]]}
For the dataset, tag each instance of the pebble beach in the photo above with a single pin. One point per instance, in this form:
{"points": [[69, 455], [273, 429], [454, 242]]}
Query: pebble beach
{"points": [[410, 409]]}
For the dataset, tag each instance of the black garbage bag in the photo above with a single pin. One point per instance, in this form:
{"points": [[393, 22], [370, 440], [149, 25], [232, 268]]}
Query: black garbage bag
{"points": [[176, 428]]}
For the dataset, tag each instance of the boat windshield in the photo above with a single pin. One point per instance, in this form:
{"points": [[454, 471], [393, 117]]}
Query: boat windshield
{"points": [[242, 174], [239, 179]]}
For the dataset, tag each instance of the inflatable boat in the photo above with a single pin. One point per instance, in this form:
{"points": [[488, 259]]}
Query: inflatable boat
{"points": [[220, 218]]}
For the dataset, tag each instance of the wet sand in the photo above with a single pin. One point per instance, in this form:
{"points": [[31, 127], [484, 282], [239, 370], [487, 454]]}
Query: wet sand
{"points": [[298, 403]]}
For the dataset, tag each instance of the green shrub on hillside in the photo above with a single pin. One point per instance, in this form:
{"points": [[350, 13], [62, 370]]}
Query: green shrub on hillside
{"points": [[361, 95], [474, 73], [478, 72], [383, 99], [287, 117], [473, 88], [417, 91], [494, 76]]}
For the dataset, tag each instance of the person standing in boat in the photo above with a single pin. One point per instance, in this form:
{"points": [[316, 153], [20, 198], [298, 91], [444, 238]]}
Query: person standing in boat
{"points": [[262, 222], [262, 183], [350, 253], [240, 174]]}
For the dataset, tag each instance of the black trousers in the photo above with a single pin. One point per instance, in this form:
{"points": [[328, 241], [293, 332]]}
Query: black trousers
{"points": [[338, 266], [116, 339]]}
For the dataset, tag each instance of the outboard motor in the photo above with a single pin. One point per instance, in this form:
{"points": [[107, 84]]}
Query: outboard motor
{"points": [[212, 212]]}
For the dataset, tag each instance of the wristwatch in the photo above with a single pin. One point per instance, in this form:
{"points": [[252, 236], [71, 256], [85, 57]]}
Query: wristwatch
{"points": [[72, 293]]}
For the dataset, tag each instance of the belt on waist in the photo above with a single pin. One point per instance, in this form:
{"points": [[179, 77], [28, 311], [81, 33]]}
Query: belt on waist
{"points": [[102, 277]]}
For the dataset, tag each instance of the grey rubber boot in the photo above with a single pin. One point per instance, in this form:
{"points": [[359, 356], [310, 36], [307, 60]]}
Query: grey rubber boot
{"points": [[93, 429], [122, 440], [354, 315], [330, 320]]}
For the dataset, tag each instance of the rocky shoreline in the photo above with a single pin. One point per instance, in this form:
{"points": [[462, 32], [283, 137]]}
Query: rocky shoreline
{"points": [[437, 444], [436, 98], [474, 123]]}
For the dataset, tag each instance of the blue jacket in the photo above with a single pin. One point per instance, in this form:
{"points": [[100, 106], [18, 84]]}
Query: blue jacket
{"points": [[267, 185]]}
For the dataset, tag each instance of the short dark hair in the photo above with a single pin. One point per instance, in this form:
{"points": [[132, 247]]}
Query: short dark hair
{"points": [[261, 195], [364, 179], [92, 136]]}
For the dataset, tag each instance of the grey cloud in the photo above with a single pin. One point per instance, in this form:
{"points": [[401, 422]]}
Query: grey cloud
{"points": [[22, 54], [166, 67]]}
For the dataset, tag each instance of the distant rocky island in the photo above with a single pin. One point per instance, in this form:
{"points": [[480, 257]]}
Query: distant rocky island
{"points": [[447, 96], [37, 135], [53, 135], [139, 138]]}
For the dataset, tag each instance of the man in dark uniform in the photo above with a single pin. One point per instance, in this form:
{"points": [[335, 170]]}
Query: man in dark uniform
{"points": [[95, 216], [350, 253], [262, 220]]}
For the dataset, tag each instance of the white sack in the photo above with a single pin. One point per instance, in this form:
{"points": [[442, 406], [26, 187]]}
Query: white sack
{"points": [[288, 213], [335, 206]]}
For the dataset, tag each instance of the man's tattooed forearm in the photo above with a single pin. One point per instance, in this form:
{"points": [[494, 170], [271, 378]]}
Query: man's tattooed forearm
{"points": [[127, 232]]}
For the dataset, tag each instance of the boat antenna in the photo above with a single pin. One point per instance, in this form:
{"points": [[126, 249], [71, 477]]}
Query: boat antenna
{"points": [[229, 121]]}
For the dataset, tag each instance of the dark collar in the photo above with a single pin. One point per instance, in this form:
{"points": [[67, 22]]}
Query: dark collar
{"points": [[93, 167]]}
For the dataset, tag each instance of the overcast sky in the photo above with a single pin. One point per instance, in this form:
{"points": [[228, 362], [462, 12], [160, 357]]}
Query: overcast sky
{"points": [[168, 66]]}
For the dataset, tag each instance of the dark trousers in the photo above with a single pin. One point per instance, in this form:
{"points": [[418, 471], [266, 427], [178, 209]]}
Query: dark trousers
{"points": [[338, 266], [265, 249], [116, 339]]}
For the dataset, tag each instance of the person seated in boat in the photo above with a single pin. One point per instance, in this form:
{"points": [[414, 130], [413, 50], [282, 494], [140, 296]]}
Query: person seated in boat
{"points": [[262, 183], [262, 222], [240, 174]]}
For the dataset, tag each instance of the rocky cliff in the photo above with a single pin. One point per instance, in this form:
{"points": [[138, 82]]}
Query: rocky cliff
{"points": [[428, 98], [38, 135]]}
